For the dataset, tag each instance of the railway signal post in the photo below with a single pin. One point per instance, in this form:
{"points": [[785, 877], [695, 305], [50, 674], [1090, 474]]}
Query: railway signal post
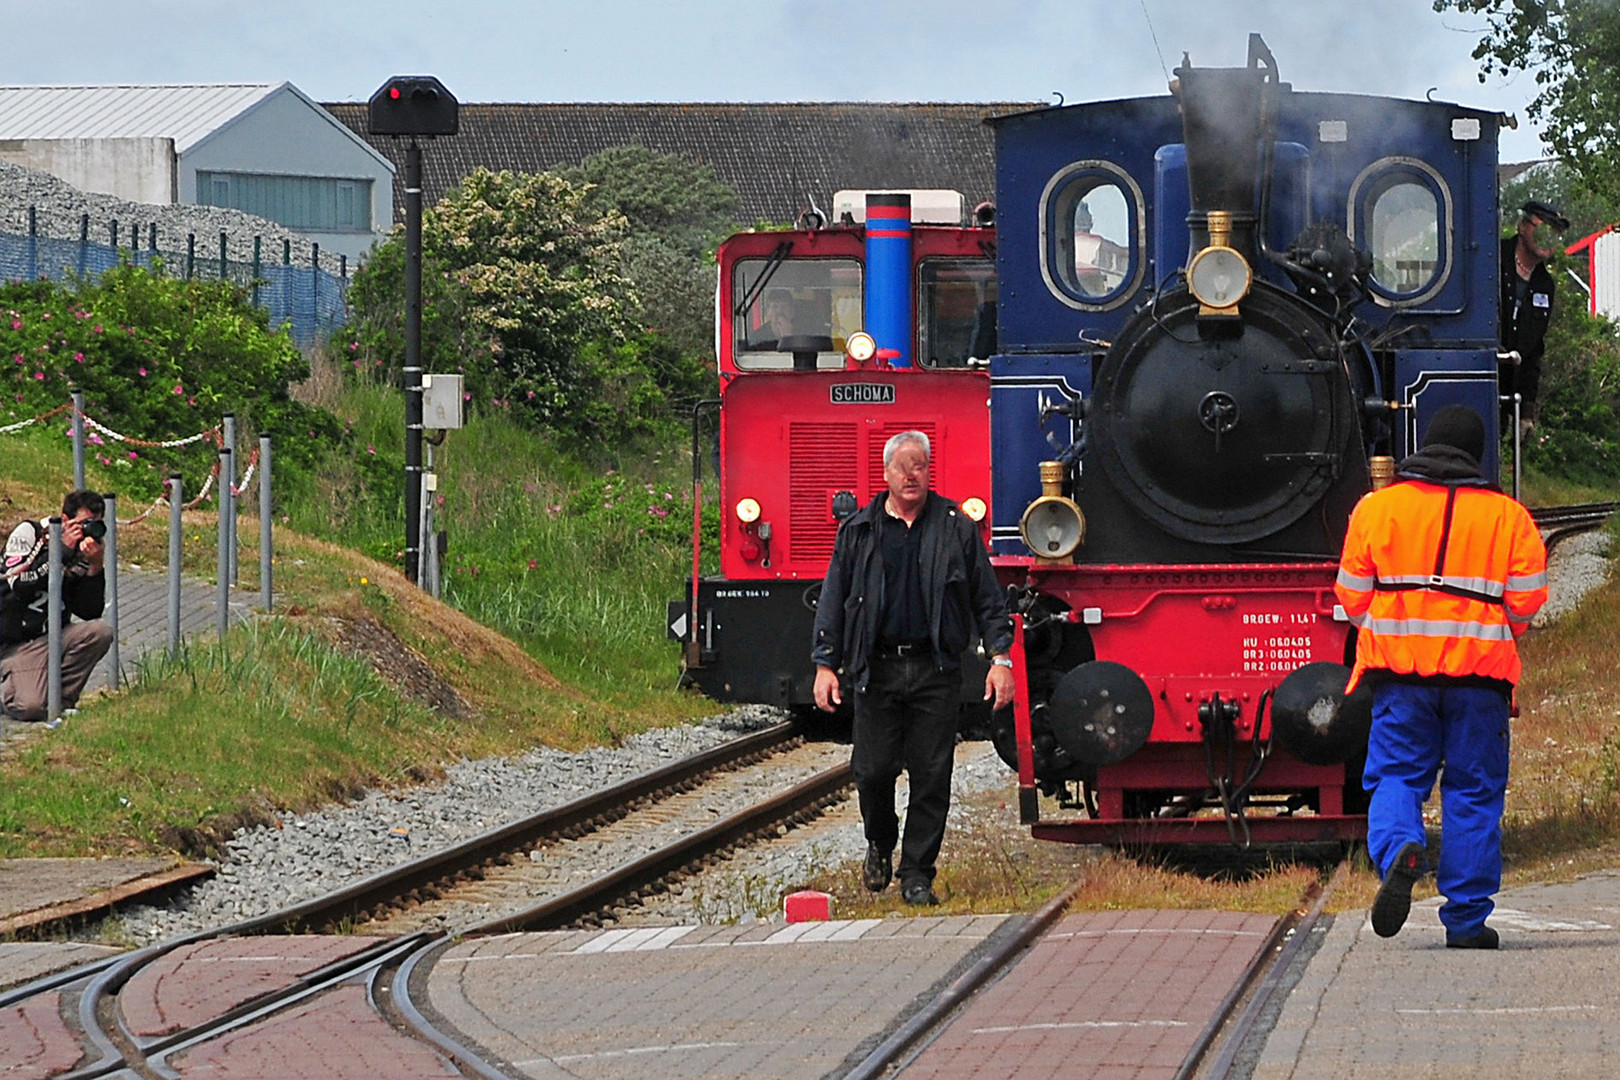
{"points": [[414, 107]]}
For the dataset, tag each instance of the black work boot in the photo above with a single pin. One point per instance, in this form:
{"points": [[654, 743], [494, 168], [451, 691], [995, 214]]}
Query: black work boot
{"points": [[879, 868], [1484, 938], [918, 893], [1394, 899]]}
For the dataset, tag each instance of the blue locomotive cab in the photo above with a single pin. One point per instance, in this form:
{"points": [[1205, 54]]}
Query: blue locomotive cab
{"points": [[1360, 232]]}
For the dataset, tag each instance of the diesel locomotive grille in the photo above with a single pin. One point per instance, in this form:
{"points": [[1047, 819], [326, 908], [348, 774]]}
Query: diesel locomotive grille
{"points": [[821, 461]]}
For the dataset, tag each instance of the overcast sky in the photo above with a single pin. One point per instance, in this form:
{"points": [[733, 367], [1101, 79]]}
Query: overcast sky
{"points": [[754, 50]]}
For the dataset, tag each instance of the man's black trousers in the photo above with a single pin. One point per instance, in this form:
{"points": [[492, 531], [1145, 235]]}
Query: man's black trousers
{"points": [[906, 718]]}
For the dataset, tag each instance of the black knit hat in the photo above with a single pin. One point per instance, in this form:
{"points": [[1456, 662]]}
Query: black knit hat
{"points": [[1457, 426]]}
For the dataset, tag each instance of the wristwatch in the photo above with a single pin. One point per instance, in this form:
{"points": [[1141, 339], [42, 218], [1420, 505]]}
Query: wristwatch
{"points": [[1001, 661]]}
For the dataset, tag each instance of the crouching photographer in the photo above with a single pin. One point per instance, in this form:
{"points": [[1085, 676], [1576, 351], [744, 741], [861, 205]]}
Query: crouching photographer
{"points": [[24, 600]]}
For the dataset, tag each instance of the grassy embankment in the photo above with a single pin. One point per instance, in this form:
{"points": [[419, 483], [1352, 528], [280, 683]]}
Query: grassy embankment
{"points": [[563, 646]]}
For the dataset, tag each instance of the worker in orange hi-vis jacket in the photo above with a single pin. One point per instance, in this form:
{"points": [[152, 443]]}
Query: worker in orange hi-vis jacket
{"points": [[1441, 573]]}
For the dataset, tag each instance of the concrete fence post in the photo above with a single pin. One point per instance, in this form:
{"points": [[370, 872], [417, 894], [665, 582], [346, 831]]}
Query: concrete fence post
{"points": [[222, 592], [53, 623], [110, 570], [78, 438], [227, 498], [267, 512], [176, 498]]}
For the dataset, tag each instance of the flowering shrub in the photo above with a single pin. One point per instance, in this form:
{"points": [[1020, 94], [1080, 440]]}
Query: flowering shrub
{"points": [[157, 359], [524, 293]]}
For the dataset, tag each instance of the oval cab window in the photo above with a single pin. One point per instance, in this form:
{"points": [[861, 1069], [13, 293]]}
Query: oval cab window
{"points": [[1402, 217], [1090, 219]]}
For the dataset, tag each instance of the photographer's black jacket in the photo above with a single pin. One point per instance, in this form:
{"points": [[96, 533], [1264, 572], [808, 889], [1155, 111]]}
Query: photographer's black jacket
{"points": [[24, 586], [959, 587]]}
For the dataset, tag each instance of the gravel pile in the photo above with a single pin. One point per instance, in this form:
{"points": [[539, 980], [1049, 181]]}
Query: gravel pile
{"points": [[58, 206], [1576, 567]]}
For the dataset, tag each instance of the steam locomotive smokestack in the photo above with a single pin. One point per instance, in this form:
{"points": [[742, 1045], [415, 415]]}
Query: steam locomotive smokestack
{"points": [[1223, 125]]}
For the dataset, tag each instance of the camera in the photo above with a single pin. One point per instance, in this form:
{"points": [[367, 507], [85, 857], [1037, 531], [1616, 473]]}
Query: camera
{"points": [[94, 530]]}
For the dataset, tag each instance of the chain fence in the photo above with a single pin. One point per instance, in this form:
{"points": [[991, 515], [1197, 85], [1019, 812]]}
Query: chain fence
{"points": [[293, 286]]}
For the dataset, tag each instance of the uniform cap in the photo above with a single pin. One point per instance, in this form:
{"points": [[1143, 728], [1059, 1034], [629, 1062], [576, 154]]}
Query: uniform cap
{"points": [[1546, 212], [1459, 427]]}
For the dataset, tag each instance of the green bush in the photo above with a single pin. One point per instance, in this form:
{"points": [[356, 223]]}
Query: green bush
{"points": [[157, 359]]}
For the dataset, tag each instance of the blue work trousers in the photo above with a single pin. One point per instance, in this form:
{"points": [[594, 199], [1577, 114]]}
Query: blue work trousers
{"points": [[1461, 734]]}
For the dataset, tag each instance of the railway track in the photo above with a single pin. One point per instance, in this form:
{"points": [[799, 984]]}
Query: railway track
{"points": [[1224, 1036], [1561, 522], [374, 967]]}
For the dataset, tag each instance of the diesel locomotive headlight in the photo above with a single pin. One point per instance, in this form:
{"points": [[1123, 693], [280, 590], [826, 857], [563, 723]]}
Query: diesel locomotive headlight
{"points": [[974, 508], [860, 347], [1053, 527], [747, 511], [1219, 277]]}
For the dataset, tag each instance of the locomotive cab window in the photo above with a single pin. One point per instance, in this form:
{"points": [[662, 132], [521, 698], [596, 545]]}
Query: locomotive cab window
{"points": [[794, 305], [1091, 226], [956, 311], [1400, 212]]}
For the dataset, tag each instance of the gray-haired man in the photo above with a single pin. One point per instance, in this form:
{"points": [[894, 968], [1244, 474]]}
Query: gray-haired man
{"points": [[909, 588]]}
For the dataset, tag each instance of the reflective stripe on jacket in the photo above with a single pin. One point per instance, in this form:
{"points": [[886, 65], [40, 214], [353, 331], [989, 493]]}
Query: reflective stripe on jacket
{"points": [[1422, 611]]}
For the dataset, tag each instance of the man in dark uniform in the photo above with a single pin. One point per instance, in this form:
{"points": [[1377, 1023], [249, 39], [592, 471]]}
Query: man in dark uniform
{"points": [[1527, 297], [909, 588]]}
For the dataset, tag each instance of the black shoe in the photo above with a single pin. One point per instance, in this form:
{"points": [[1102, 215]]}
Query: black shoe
{"points": [[918, 894], [1486, 938], [1394, 900], [879, 868]]}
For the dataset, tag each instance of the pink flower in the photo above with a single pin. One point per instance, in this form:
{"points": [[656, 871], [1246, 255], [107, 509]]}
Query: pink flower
{"points": [[142, 371], [78, 357], [19, 358], [466, 396], [133, 455], [658, 511], [96, 329], [370, 449], [533, 564], [179, 391], [16, 324], [39, 375]]}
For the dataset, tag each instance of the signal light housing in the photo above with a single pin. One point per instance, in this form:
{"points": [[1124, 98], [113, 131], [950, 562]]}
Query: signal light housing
{"points": [[412, 105]]}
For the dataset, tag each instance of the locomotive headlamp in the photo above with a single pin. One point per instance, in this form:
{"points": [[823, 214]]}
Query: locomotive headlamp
{"points": [[1219, 277], [860, 347], [974, 508], [1053, 527], [747, 511]]}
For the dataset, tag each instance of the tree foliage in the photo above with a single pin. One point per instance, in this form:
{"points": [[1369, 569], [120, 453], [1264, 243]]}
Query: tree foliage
{"points": [[526, 291], [1572, 48], [678, 210]]}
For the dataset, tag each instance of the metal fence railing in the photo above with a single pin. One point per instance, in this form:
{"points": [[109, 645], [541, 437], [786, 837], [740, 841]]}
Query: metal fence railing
{"points": [[293, 286]]}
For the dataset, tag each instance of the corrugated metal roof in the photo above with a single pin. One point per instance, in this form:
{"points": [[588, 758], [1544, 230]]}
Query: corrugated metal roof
{"points": [[187, 113]]}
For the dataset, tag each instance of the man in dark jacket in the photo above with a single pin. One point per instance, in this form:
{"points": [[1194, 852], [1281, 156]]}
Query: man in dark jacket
{"points": [[909, 589], [1526, 306], [24, 597]]}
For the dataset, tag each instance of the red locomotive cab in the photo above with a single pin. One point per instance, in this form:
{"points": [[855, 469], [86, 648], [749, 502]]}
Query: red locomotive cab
{"points": [[808, 399]]}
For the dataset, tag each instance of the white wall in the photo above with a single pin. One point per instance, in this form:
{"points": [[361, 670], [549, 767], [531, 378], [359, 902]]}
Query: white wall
{"points": [[1606, 275], [140, 170], [288, 135]]}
